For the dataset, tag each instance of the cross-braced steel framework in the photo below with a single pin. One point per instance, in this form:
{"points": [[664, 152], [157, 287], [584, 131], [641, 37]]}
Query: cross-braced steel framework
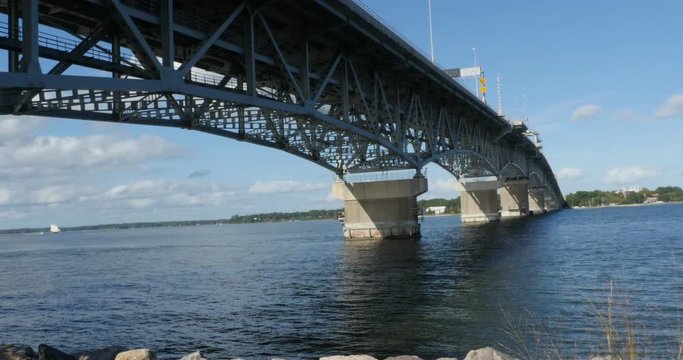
{"points": [[321, 79]]}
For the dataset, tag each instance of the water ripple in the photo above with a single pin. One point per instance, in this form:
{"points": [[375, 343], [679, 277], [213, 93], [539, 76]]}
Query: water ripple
{"points": [[297, 290]]}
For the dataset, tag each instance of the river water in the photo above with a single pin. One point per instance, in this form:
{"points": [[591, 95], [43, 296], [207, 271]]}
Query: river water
{"points": [[298, 290]]}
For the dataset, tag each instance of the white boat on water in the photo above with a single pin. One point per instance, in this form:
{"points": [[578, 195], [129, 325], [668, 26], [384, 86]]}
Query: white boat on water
{"points": [[54, 228]]}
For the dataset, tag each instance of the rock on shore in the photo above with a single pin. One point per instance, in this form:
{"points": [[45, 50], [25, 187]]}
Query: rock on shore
{"points": [[17, 352], [139, 354], [487, 353], [107, 353], [46, 352]]}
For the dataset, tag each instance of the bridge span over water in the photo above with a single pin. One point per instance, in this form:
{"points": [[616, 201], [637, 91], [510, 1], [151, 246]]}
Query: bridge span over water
{"points": [[321, 79]]}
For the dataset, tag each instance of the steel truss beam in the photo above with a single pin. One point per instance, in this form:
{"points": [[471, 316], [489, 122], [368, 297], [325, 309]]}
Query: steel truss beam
{"points": [[319, 79]]}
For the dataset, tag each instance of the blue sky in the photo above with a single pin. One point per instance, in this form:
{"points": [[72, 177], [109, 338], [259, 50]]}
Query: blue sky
{"points": [[601, 81]]}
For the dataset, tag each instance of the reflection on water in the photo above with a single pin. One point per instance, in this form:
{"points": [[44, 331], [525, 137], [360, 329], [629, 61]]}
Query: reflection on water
{"points": [[298, 290], [441, 295], [382, 286]]}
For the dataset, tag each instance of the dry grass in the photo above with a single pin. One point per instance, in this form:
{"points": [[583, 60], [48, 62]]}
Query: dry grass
{"points": [[532, 338], [621, 344], [623, 339]]}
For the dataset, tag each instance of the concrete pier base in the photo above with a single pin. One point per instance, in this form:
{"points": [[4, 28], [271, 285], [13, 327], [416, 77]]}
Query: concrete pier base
{"points": [[551, 203], [380, 209], [536, 200], [514, 198], [478, 201]]}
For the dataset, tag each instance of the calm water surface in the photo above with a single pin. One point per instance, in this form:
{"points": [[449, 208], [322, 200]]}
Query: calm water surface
{"points": [[298, 290]]}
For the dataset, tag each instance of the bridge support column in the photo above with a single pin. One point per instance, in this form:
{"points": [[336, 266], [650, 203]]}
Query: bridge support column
{"points": [[380, 209], [536, 200], [478, 201], [551, 203], [514, 198]]}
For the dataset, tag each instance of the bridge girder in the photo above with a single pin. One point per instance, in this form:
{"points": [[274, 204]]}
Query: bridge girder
{"points": [[320, 79]]}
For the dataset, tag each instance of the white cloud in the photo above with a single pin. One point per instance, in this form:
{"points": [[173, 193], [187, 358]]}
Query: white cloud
{"points": [[136, 194], [5, 196], [285, 186], [51, 195], [171, 193], [136, 188], [12, 127], [671, 107], [49, 178], [585, 112], [139, 203], [568, 173], [442, 185], [44, 155], [628, 174], [441, 188], [26, 193]]}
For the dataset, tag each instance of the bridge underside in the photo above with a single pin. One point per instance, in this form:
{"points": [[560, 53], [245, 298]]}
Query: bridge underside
{"points": [[321, 79]]}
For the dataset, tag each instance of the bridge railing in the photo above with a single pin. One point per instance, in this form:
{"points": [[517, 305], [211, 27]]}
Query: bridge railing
{"points": [[64, 44], [379, 176], [202, 24], [60, 43], [394, 30]]}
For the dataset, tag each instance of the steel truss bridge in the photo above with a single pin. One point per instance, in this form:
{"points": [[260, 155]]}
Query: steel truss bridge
{"points": [[321, 79]]}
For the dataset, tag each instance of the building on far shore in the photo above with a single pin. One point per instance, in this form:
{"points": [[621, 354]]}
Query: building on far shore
{"points": [[653, 198], [627, 190], [436, 210]]}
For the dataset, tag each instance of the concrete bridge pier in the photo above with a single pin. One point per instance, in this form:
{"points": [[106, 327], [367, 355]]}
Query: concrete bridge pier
{"points": [[478, 200], [514, 198], [551, 203], [536, 200], [380, 209]]}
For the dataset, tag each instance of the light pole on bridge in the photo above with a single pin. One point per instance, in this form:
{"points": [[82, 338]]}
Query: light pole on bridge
{"points": [[431, 36], [476, 80]]}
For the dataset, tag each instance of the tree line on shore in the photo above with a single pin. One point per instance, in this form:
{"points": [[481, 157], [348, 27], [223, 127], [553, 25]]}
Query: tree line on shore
{"points": [[285, 216], [624, 197]]}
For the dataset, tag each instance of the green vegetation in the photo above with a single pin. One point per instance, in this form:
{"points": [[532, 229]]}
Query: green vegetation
{"points": [[669, 193], [605, 198], [291, 216]]}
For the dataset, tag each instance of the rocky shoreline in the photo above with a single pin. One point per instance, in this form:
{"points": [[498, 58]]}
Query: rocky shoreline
{"points": [[46, 352]]}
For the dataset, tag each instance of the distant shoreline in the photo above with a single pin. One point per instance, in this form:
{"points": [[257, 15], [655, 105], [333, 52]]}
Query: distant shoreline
{"points": [[626, 205], [124, 226], [644, 196], [237, 219], [254, 219], [143, 225]]}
